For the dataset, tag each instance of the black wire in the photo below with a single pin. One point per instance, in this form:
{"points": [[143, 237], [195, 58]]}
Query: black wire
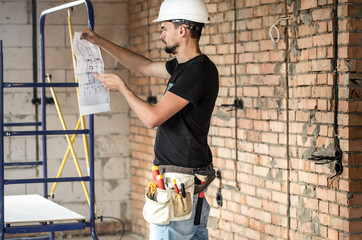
{"points": [[325, 162], [122, 223], [335, 68], [35, 72], [320, 159]]}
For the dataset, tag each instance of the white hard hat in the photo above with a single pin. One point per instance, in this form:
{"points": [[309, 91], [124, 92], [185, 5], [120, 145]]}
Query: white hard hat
{"points": [[191, 10]]}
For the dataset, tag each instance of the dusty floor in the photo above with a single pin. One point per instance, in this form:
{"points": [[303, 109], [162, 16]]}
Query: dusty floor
{"points": [[127, 236]]}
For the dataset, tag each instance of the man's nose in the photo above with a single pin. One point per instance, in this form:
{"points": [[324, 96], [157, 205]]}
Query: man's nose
{"points": [[162, 36]]}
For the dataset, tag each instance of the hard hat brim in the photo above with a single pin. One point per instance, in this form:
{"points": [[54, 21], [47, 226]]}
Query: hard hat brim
{"points": [[173, 17]]}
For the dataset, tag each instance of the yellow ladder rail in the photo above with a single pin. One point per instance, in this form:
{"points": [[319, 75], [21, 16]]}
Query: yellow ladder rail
{"points": [[69, 140]]}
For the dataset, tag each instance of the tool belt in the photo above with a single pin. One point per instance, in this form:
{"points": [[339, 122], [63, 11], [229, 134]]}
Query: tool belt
{"points": [[198, 172], [175, 202]]}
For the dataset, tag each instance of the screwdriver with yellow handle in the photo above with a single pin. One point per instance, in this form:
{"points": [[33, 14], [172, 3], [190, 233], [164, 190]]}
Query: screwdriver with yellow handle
{"points": [[176, 188]]}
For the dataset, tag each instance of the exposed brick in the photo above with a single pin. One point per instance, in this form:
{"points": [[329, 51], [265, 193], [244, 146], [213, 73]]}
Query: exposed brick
{"points": [[305, 42], [303, 67], [253, 3], [308, 4], [261, 124], [321, 14], [323, 40]]}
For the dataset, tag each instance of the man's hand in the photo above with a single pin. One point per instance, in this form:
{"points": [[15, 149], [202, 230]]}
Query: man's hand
{"points": [[152, 115], [111, 81], [90, 36]]}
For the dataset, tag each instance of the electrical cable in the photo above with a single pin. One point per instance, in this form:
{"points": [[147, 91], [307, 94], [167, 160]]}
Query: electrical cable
{"points": [[276, 30], [35, 72], [238, 104], [151, 99], [114, 218], [122, 223], [287, 127], [337, 158], [236, 109]]}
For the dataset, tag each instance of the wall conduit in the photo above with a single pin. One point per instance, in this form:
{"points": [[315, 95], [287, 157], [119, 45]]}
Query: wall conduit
{"points": [[238, 104], [286, 99], [35, 72], [286, 62], [151, 99], [337, 158]]}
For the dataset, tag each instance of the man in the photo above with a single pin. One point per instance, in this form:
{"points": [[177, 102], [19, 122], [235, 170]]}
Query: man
{"points": [[183, 114]]}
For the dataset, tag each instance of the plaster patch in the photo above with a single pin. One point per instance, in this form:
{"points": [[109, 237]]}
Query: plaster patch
{"points": [[279, 176], [314, 227], [223, 116], [307, 192], [269, 175], [307, 19], [303, 212]]}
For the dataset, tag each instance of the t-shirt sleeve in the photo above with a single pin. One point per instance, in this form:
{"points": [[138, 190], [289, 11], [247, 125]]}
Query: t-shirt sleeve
{"points": [[171, 65], [191, 84]]}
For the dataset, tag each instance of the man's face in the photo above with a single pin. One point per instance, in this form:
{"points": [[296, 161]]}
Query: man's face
{"points": [[169, 37]]}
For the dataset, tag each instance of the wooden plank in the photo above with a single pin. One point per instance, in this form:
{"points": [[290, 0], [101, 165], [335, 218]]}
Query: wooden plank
{"points": [[35, 208]]}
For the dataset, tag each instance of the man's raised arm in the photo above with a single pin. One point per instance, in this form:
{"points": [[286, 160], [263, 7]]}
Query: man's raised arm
{"points": [[131, 60]]}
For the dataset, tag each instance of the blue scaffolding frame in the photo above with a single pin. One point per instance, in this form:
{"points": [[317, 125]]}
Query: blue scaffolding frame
{"points": [[50, 227]]}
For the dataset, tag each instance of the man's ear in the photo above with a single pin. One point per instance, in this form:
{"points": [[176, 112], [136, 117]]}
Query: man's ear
{"points": [[183, 30]]}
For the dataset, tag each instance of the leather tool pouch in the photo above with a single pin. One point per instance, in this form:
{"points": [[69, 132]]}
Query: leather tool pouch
{"points": [[158, 212], [167, 206], [181, 207]]}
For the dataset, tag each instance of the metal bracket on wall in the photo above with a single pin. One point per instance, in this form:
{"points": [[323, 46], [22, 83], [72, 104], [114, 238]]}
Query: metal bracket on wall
{"points": [[219, 198], [337, 158], [238, 104], [152, 99], [219, 195], [37, 101]]}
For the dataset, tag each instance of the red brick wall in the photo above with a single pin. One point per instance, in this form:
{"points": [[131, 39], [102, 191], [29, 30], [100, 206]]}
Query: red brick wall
{"points": [[282, 194]]}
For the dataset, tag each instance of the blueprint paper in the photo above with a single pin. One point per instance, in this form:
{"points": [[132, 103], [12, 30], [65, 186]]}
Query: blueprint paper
{"points": [[93, 96]]}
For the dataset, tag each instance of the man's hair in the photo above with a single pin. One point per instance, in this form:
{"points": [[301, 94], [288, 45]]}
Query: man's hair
{"points": [[194, 27]]}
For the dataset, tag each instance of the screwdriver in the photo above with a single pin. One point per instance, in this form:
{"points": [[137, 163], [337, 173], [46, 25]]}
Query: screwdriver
{"points": [[155, 172], [176, 188], [160, 182], [158, 177], [183, 191]]}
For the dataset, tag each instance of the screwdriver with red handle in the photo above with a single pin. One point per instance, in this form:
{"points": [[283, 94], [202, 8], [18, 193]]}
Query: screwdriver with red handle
{"points": [[158, 177], [155, 172]]}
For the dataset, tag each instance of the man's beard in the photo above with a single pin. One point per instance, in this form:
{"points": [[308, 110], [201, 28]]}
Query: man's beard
{"points": [[171, 49]]}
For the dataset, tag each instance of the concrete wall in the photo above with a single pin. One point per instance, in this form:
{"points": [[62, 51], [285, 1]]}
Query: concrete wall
{"points": [[288, 115], [111, 128]]}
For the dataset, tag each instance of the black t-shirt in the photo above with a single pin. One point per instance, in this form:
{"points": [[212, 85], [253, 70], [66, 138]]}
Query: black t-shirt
{"points": [[182, 139]]}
